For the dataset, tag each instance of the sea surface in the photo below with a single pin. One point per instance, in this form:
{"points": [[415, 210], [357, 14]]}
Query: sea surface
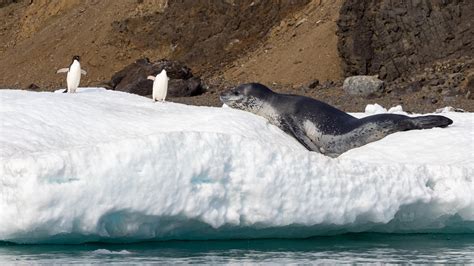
{"points": [[349, 248]]}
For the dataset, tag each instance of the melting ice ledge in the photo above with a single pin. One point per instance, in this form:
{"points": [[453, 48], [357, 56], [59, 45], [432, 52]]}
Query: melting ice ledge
{"points": [[109, 166]]}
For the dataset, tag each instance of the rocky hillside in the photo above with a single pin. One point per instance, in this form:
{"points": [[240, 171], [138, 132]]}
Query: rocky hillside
{"points": [[422, 49], [40, 36]]}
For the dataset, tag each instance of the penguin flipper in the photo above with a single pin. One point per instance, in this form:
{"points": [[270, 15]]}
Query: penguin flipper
{"points": [[65, 91], [83, 72], [151, 77], [62, 70]]}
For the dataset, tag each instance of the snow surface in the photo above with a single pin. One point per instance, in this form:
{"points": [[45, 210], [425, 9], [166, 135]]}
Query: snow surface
{"points": [[110, 166]]}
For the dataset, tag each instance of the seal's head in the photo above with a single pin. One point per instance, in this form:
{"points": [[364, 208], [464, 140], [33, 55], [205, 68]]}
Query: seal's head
{"points": [[249, 97]]}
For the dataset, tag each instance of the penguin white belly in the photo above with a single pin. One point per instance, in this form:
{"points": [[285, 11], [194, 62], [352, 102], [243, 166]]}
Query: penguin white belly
{"points": [[160, 88], [73, 77]]}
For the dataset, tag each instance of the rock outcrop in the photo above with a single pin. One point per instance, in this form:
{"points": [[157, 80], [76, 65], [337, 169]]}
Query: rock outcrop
{"points": [[133, 78], [394, 38]]}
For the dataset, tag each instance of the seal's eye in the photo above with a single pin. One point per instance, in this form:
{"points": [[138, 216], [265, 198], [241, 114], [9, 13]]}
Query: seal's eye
{"points": [[235, 93]]}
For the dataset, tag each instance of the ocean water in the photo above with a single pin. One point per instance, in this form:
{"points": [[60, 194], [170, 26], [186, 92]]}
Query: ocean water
{"points": [[350, 248]]}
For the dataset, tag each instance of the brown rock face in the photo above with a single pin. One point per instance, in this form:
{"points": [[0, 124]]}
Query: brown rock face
{"points": [[393, 38]]}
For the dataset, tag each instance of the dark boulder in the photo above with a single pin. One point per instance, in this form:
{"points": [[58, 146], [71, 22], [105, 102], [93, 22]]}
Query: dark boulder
{"points": [[133, 78], [185, 88]]}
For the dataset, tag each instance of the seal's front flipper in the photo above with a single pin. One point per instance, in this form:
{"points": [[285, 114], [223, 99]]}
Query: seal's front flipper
{"points": [[62, 70], [430, 121], [291, 129]]}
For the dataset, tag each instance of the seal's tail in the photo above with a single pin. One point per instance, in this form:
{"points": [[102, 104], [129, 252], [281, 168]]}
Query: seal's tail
{"points": [[430, 121]]}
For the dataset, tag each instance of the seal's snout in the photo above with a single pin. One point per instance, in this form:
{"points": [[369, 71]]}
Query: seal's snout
{"points": [[226, 96], [223, 96]]}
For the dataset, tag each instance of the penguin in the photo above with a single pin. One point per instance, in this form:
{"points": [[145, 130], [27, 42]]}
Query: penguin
{"points": [[160, 86], [74, 72]]}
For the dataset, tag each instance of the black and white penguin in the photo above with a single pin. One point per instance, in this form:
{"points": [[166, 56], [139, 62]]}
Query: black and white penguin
{"points": [[160, 86], [74, 72]]}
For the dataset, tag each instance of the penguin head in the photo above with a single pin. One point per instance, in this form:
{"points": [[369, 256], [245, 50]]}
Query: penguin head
{"points": [[76, 57], [163, 74]]}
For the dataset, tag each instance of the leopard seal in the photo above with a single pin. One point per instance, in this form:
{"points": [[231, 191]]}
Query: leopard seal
{"points": [[317, 125]]}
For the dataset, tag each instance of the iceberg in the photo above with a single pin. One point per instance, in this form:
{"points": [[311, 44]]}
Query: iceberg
{"points": [[102, 165]]}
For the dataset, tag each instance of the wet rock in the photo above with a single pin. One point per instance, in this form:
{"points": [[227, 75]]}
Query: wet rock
{"points": [[133, 78], [363, 86]]}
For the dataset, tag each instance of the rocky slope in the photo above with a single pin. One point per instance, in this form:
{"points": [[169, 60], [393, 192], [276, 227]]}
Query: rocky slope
{"points": [[41, 36]]}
